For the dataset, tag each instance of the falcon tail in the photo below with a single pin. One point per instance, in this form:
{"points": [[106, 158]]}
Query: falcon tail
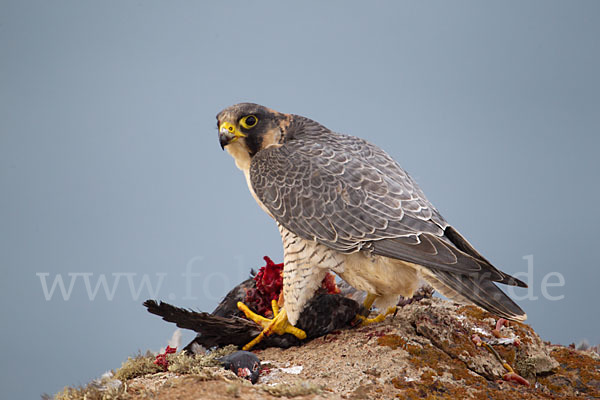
{"points": [[477, 289]]}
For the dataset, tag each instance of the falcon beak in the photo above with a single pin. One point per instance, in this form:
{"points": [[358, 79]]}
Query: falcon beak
{"points": [[228, 134]]}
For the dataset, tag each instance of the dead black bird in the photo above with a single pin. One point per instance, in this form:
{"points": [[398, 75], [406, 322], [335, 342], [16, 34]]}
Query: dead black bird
{"points": [[324, 313], [244, 364], [335, 306]]}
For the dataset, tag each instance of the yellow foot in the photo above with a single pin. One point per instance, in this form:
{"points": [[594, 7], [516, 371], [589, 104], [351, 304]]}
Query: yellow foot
{"points": [[367, 321], [279, 324]]}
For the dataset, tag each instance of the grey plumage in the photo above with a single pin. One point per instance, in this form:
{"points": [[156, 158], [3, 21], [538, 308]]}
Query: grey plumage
{"points": [[350, 196]]}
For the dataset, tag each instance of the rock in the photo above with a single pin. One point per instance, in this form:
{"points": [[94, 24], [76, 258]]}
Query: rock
{"points": [[426, 351]]}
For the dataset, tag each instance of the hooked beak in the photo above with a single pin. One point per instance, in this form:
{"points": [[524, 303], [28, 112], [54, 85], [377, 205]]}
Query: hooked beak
{"points": [[228, 134]]}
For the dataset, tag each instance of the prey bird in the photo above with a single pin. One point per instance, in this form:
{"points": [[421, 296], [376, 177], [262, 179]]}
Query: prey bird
{"points": [[344, 205], [332, 308]]}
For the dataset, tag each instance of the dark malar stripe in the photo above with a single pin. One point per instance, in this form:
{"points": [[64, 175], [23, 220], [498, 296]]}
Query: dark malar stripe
{"points": [[254, 143]]}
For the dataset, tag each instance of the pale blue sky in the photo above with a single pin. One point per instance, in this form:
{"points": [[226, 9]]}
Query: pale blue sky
{"points": [[110, 162]]}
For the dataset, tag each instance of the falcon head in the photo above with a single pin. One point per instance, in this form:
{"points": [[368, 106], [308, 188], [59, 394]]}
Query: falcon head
{"points": [[247, 128]]}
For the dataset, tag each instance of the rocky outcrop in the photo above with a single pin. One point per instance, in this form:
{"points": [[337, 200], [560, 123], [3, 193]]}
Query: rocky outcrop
{"points": [[431, 349]]}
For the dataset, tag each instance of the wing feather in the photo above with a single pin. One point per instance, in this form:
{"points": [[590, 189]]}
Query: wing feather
{"points": [[350, 195]]}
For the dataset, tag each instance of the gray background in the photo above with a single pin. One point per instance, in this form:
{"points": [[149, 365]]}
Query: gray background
{"points": [[110, 163]]}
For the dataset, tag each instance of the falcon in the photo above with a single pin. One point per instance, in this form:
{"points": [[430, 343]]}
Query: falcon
{"points": [[344, 205]]}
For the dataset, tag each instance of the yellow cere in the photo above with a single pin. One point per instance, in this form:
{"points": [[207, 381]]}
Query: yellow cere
{"points": [[231, 129]]}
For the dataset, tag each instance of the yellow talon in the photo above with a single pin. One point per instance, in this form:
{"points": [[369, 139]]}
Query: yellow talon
{"points": [[259, 319], [275, 307], [368, 303], [367, 321], [279, 324]]}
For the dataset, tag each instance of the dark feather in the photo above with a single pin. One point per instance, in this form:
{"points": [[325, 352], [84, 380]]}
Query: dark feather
{"points": [[478, 290], [228, 306], [214, 330], [323, 314]]}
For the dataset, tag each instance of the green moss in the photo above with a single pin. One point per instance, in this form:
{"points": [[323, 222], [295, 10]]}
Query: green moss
{"points": [[179, 363], [143, 364], [139, 365], [184, 363]]}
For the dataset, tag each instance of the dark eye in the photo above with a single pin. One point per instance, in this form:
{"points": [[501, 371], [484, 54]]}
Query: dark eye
{"points": [[249, 121]]}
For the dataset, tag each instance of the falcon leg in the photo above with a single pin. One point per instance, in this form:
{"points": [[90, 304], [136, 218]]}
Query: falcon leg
{"points": [[279, 324], [367, 305], [369, 301]]}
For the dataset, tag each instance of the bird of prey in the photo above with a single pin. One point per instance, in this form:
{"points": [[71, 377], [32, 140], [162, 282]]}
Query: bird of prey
{"points": [[344, 205]]}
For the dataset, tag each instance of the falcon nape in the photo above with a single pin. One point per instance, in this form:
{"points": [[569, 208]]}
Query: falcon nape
{"points": [[344, 205]]}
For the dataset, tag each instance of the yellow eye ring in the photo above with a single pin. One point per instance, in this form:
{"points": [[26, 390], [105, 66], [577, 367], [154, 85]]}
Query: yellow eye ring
{"points": [[249, 121]]}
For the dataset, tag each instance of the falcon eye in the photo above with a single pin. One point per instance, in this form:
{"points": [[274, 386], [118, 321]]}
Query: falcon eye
{"points": [[249, 121]]}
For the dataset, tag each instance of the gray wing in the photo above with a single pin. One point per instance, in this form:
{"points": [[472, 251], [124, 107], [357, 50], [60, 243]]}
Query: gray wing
{"points": [[349, 195]]}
